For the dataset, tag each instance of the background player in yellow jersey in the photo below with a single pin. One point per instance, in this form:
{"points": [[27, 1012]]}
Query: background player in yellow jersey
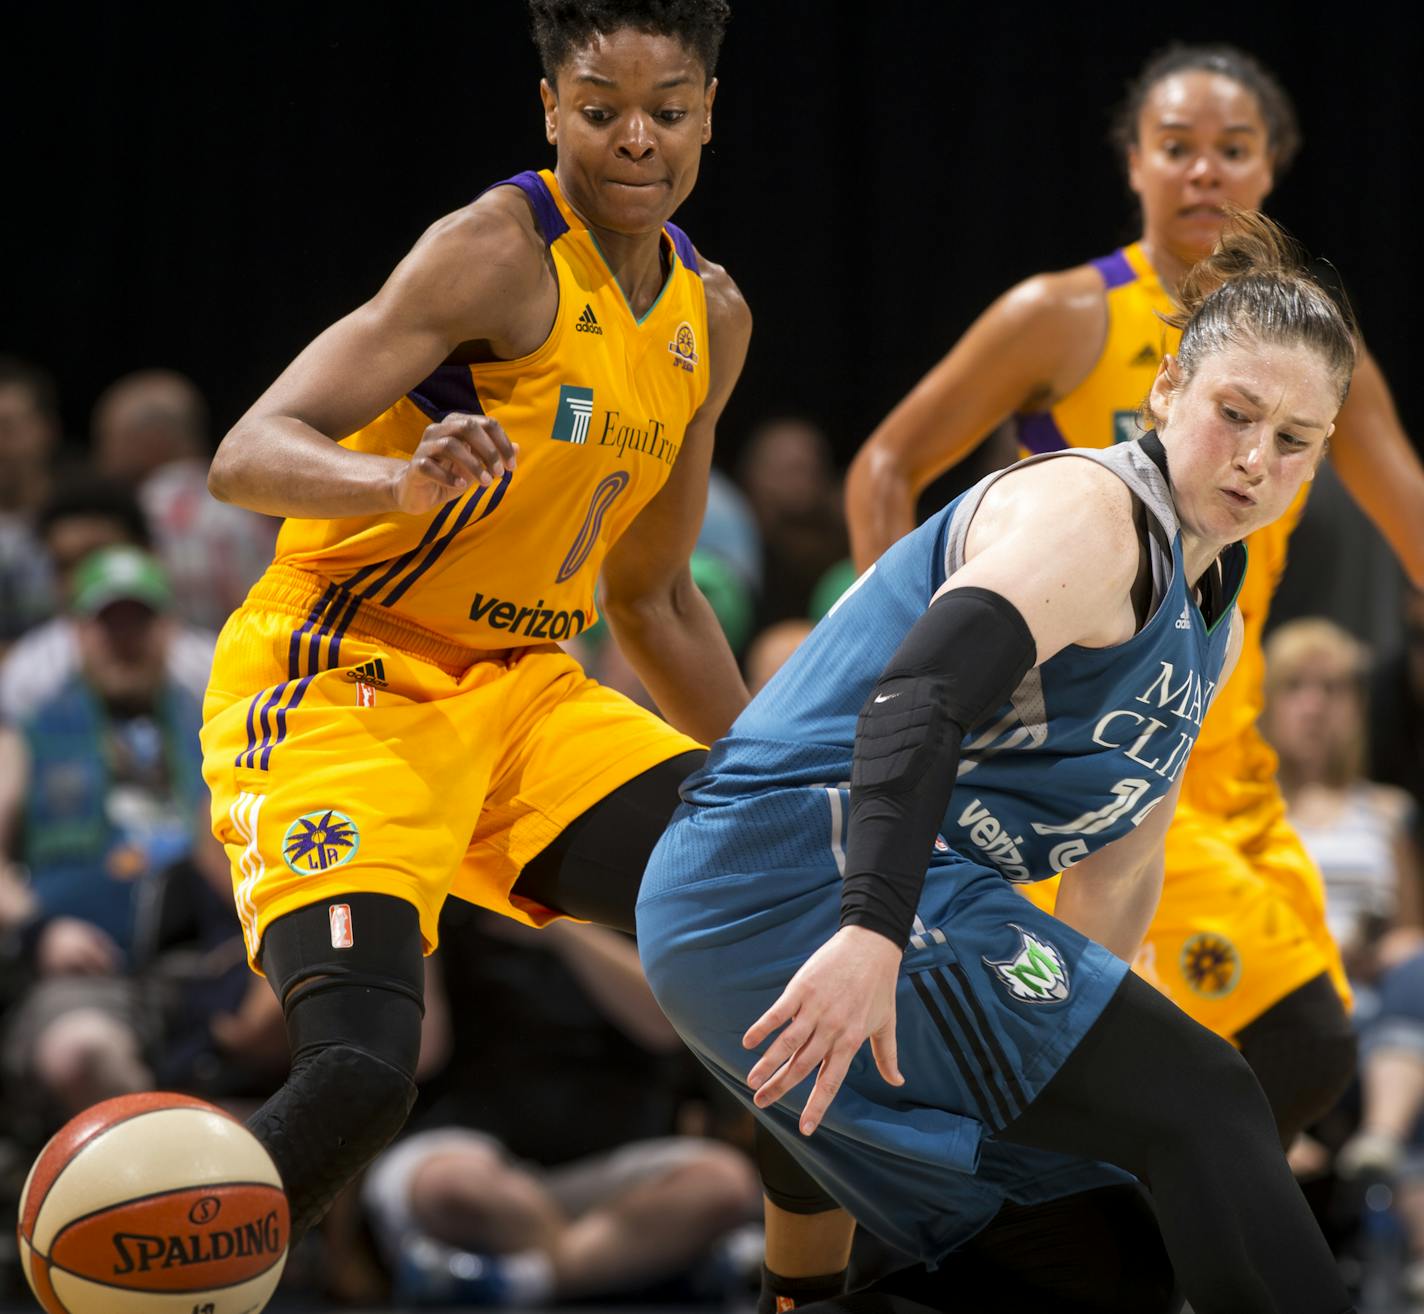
{"points": [[1239, 940], [526, 407]]}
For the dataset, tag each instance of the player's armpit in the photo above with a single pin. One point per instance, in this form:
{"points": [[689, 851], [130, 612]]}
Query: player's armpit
{"points": [[477, 276]]}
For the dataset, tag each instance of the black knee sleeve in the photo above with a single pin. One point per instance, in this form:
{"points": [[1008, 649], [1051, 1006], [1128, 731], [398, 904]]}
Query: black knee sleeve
{"points": [[786, 1183], [353, 1020], [1302, 1050]]}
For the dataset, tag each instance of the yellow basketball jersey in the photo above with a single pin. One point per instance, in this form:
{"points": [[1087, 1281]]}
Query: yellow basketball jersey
{"points": [[1232, 768], [1103, 409], [599, 411]]}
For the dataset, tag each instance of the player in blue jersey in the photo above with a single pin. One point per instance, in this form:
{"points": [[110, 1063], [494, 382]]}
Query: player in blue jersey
{"points": [[1011, 691]]}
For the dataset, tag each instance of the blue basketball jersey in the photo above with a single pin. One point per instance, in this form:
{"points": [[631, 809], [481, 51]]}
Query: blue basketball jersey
{"points": [[1088, 744]]}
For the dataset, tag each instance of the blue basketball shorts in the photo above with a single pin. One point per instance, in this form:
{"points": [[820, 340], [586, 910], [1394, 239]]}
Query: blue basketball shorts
{"points": [[994, 995]]}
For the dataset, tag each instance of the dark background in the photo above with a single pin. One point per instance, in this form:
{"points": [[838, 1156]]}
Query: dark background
{"points": [[207, 188]]}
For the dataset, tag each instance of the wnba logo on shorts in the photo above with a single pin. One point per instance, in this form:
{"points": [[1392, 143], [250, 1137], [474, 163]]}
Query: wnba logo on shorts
{"points": [[320, 841], [341, 936]]}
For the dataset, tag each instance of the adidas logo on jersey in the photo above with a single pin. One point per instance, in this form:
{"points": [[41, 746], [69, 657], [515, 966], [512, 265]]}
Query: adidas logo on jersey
{"points": [[372, 672], [1184, 620], [1147, 356], [587, 322]]}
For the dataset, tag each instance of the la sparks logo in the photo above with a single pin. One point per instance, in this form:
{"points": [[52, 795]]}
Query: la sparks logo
{"points": [[320, 841], [1211, 965], [684, 347]]}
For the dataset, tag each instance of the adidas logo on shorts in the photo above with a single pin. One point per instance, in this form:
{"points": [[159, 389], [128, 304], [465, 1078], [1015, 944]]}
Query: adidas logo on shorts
{"points": [[587, 322], [372, 672]]}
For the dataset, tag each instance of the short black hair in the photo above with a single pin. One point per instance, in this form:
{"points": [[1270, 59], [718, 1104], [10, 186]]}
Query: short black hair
{"points": [[79, 492], [559, 26], [15, 372], [1277, 109]]}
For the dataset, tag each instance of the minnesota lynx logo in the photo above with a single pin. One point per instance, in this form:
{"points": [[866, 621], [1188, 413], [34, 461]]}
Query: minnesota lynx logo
{"points": [[1036, 974], [573, 414]]}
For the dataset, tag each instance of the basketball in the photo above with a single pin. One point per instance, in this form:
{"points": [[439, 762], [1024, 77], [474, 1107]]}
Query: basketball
{"points": [[152, 1203]]}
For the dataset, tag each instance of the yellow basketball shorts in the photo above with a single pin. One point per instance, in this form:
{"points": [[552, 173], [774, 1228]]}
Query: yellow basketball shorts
{"points": [[1241, 922], [347, 750]]}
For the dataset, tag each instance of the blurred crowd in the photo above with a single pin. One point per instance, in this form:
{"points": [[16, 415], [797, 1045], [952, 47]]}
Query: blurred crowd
{"points": [[564, 1147]]}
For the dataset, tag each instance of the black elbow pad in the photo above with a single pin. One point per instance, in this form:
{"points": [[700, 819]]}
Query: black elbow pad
{"points": [[959, 662]]}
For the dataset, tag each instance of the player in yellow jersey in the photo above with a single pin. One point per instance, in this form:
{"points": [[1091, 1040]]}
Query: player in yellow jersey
{"points": [[1239, 940], [525, 409]]}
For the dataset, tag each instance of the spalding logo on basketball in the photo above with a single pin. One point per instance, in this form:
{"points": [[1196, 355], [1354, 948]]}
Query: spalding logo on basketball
{"points": [[153, 1204]]}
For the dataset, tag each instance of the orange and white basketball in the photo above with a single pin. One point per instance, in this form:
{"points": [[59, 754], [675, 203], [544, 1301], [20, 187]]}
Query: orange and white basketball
{"points": [[153, 1204]]}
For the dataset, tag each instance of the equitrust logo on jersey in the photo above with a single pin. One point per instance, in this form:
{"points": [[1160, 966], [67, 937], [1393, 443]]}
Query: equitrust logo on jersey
{"points": [[573, 421], [574, 411]]}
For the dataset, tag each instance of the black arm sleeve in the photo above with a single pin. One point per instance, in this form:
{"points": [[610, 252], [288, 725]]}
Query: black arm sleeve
{"points": [[959, 662]]}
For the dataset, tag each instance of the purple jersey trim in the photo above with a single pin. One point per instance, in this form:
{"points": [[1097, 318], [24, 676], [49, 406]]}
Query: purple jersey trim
{"points": [[682, 244], [449, 388], [1039, 433], [552, 224], [1115, 269]]}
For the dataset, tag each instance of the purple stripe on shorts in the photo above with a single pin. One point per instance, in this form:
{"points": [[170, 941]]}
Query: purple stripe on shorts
{"points": [[298, 691]]}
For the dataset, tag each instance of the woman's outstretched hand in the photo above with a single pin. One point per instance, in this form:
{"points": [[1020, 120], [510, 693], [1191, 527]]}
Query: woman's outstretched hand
{"points": [[843, 995]]}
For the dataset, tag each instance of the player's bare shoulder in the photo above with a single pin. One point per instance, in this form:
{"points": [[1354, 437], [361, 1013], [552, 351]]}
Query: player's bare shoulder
{"points": [[1071, 507], [1060, 317], [728, 315], [729, 321], [484, 269]]}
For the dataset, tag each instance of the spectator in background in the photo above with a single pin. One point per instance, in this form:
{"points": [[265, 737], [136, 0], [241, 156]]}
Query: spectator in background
{"points": [[150, 431], [731, 602], [29, 433], [770, 649], [790, 479], [1358, 832], [729, 531], [100, 783], [563, 1180], [84, 513], [1397, 712]]}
